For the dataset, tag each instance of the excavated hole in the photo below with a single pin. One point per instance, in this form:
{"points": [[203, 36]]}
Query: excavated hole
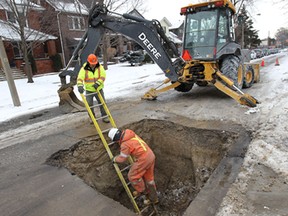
{"points": [[185, 159]]}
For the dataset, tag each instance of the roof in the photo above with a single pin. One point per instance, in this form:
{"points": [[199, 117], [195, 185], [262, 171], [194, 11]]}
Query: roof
{"points": [[69, 6], [19, 4], [165, 20], [174, 38], [10, 34]]}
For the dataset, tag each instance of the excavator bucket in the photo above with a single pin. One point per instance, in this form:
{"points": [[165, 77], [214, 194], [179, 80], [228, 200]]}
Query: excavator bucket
{"points": [[69, 102], [248, 100]]}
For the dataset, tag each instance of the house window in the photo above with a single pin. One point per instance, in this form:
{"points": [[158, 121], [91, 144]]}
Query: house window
{"points": [[36, 2], [11, 17], [17, 50], [76, 23]]}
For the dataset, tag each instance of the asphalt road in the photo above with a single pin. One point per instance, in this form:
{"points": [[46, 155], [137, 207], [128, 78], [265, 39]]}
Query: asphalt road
{"points": [[30, 187]]}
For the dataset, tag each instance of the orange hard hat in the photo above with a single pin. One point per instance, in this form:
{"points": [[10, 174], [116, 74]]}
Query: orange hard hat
{"points": [[92, 59]]}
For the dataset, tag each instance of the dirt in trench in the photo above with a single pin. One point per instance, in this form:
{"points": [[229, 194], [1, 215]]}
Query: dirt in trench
{"points": [[185, 159]]}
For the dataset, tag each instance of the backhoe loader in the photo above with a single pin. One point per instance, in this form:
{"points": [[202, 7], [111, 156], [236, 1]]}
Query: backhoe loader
{"points": [[210, 54]]}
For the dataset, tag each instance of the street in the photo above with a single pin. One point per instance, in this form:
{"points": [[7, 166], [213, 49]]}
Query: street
{"points": [[28, 186]]}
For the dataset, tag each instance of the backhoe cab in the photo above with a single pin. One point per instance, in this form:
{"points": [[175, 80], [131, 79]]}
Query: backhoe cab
{"points": [[210, 53]]}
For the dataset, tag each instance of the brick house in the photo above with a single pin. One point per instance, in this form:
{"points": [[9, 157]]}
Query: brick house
{"points": [[60, 23], [45, 43], [69, 21]]}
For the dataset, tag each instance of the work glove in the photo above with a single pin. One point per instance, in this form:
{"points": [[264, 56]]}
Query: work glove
{"points": [[96, 85], [80, 89]]}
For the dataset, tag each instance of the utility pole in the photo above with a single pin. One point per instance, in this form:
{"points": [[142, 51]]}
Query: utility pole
{"points": [[8, 73]]}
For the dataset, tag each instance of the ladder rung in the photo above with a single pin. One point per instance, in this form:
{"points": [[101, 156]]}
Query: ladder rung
{"points": [[127, 167], [145, 208], [102, 117], [96, 105], [152, 213], [109, 144], [106, 130], [93, 93]]}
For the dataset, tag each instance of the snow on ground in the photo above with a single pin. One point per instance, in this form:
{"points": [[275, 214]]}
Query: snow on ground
{"points": [[269, 147], [42, 94]]}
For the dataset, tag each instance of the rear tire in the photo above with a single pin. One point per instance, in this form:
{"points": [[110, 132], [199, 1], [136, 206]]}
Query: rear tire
{"points": [[202, 83], [184, 87], [232, 67]]}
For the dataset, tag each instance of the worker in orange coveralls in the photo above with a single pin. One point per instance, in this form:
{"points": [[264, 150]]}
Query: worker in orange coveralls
{"points": [[144, 160]]}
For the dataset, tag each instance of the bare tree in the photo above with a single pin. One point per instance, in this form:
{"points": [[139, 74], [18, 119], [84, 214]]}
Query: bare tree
{"points": [[120, 6], [19, 22]]}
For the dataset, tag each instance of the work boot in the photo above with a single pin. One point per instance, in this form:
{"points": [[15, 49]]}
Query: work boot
{"points": [[152, 195], [106, 120], [136, 193]]}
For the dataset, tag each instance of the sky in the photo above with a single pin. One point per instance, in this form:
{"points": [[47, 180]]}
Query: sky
{"points": [[270, 19]]}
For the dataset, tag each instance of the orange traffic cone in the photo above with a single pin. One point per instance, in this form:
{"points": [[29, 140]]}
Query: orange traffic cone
{"points": [[277, 62], [262, 63]]}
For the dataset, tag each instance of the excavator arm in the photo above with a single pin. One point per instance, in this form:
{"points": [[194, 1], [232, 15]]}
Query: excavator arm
{"points": [[147, 33]]}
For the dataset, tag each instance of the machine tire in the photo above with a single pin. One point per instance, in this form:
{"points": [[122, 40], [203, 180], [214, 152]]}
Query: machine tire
{"points": [[184, 87], [232, 68], [202, 83], [249, 77]]}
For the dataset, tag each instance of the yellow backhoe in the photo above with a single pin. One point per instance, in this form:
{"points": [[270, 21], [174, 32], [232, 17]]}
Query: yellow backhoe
{"points": [[210, 54]]}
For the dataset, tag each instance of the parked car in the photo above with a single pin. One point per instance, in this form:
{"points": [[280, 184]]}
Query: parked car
{"points": [[253, 54], [259, 53], [133, 57], [265, 52]]}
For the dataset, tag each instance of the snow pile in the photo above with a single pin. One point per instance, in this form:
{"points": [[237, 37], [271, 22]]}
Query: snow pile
{"points": [[122, 81], [269, 146]]}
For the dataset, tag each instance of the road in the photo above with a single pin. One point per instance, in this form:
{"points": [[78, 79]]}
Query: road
{"points": [[30, 187]]}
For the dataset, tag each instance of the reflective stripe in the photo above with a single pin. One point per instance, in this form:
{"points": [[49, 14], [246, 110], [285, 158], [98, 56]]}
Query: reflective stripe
{"points": [[136, 182], [98, 72], [123, 155], [142, 143], [92, 80], [89, 81], [87, 78], [151, 182]]}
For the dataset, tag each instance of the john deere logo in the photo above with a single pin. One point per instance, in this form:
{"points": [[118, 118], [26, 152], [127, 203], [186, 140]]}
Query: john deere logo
{"points": [[149, 45]]}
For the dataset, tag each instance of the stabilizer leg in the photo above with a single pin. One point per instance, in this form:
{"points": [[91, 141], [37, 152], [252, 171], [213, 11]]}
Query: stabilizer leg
{"points": [[153, 92], [238, 95]]}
